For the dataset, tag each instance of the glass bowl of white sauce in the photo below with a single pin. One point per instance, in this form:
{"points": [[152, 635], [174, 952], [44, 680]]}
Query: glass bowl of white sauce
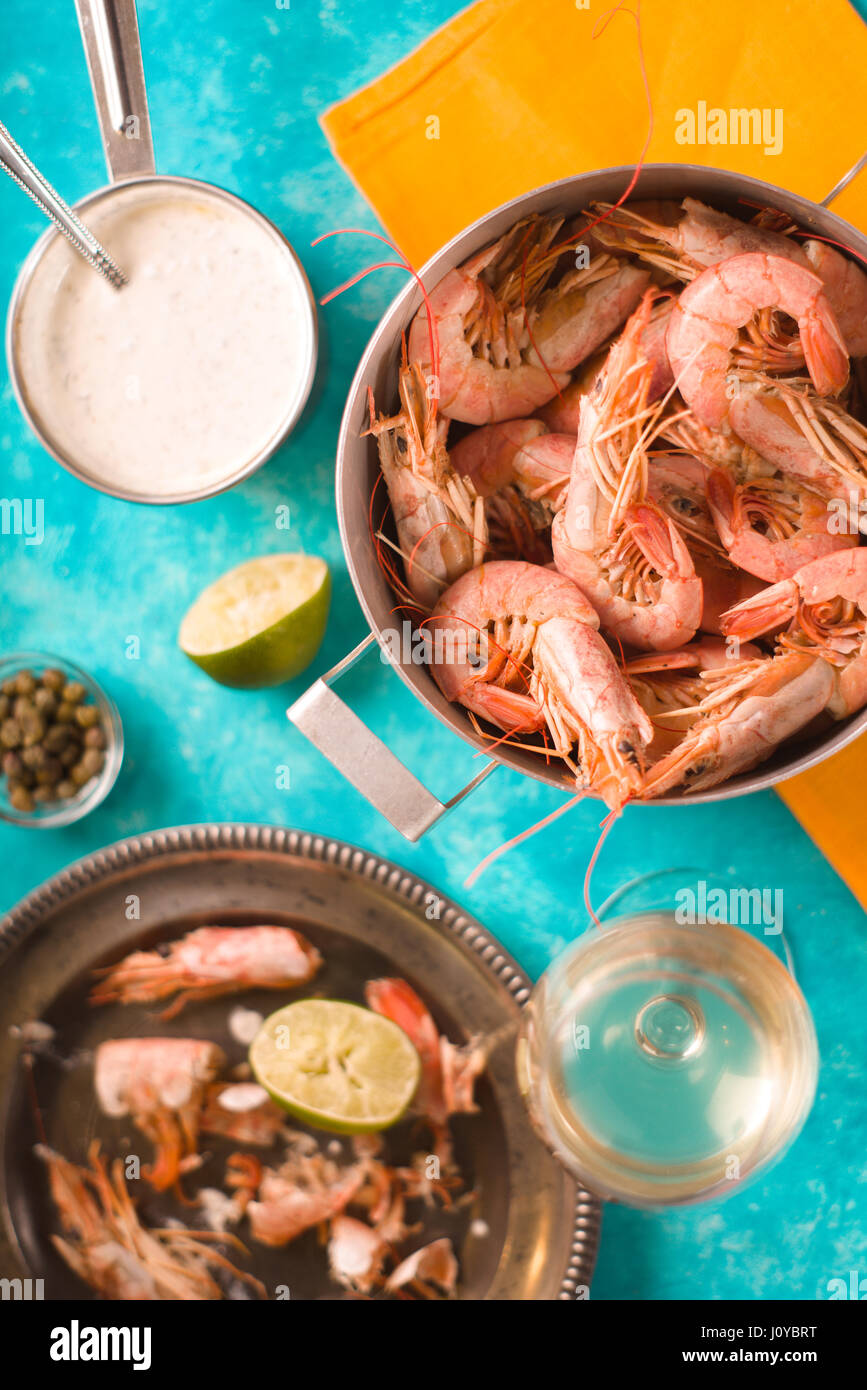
{"points": [[188, 379]]}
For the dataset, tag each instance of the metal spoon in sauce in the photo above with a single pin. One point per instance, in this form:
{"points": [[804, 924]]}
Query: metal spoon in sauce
{"points": [[15, 163]]}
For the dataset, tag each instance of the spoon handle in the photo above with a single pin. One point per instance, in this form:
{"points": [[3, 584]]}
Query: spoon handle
{"points": [[15, 163], [109, 31]]}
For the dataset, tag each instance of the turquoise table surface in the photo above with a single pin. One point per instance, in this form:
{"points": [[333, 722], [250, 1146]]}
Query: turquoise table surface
{"points": [[235, 88]]}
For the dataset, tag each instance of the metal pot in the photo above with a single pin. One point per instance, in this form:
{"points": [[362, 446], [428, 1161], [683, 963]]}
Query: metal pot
{"points": [[329, 723]]}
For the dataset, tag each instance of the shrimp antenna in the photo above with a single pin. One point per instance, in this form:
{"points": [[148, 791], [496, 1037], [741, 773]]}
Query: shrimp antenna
{"points": [[402, 264], [495, 854]]}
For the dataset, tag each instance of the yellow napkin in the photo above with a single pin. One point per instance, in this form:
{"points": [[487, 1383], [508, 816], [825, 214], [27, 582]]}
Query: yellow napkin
{"points": [[512, 94]]}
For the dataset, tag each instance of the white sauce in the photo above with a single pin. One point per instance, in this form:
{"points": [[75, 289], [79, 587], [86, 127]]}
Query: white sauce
{"points": [[176, 382]]}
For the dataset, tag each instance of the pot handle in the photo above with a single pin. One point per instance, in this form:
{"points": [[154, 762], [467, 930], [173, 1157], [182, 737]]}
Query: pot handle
{"points": [[109, 31], [844, 182], [367, 762]]}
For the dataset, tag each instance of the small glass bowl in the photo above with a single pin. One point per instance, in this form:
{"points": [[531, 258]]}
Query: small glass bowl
{"points": [[51, 815]]}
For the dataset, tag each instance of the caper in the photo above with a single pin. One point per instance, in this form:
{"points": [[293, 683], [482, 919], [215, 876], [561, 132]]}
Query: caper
{"points": [[23, 707], [11, 734], [44, 793], [79, 774], [5, 706], [45, 701], [32, 728], [12, 764], [95, 738], [70, 754], [21, 798], [33, 757], [65, 712], [87, 716], [74, 692], [66, 789], [57, 737], [92, 761], [50, 773], [25, 683], [53, 680], [8, 687]]}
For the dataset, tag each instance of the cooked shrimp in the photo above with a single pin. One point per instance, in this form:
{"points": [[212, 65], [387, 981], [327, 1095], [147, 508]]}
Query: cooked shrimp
{"points": [[669, 688], [749, 709], [771, 526], [507, 339], [619, 549], [449, 1071], [439, 517], [207, 963], [563, 413], [356, 1254], [812, 440], [677, 484], [706, 318], [686, 238], [682, 240], [522, 472], [304, 1191], [395, 999], [161, 1083], [722, 586], [432, 1268], [846, 287], [517, 645], [107, 1246], [825, 607]]}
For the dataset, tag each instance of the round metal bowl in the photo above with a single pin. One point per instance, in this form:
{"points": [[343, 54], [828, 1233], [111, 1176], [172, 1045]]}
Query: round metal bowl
{"points": [[358, 464]]}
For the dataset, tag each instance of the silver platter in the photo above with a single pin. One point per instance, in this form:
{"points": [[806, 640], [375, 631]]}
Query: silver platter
{"points": [[362, 911]]}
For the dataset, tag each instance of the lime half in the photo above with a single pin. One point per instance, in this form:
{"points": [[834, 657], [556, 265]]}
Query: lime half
{"points": [[336, 1065], [260, 624]]}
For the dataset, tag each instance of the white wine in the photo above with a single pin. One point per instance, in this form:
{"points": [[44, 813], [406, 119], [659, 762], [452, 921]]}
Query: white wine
{"points": [[666, 1063]]}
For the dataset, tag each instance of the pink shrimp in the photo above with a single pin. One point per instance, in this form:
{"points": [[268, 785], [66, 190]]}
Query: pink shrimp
{"points": [[356, 1254], [621, 551], [749, 709], [507, 339], [395, 999], [770, 526], [449, 1071], [106, 1244], [161, 1083], [306, 1190], [682, 240], [207, 963], [722, 586], [706, 318], [563, 413], [517, 645], [439, 517], [812, 440], [522, 472], [825, 607], [846, 287], [669, 688], [426, 1271]]}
